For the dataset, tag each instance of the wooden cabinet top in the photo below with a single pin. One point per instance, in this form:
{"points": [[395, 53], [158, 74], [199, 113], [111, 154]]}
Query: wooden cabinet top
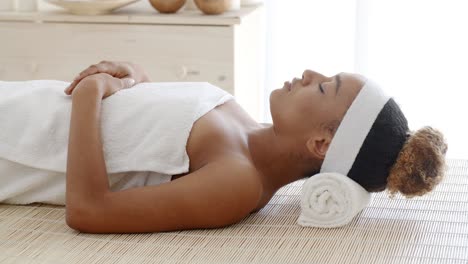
{"points": [[138, 13]]}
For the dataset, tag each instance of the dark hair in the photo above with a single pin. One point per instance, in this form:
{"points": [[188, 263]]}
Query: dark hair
{"points": [[380, 148]]}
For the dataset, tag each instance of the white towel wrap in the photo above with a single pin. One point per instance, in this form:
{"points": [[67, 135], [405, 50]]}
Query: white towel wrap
{"points": [[144, 128]]}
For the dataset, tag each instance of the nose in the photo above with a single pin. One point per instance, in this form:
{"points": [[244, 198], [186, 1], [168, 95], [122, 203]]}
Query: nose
{"points": [[313, 74], [309, 76]]}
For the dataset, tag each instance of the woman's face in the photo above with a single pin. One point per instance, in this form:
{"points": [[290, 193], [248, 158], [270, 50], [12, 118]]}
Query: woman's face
{"points": [[302, 105]]}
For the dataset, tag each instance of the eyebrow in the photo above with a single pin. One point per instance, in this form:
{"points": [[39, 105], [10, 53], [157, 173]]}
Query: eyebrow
{"points": [[338, 82]]}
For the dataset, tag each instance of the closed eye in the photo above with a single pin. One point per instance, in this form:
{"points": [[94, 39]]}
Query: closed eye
{"points": [[321, 88]]}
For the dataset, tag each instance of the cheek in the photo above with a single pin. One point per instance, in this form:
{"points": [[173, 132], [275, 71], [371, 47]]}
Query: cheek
{"points": [[310, 106], [316, 111]]}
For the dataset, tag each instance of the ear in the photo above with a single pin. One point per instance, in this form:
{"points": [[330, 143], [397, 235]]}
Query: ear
{"points": [[318, 146]]}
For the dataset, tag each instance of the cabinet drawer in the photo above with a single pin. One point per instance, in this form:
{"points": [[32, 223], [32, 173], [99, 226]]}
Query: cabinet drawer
{"points": [[167, 52]]}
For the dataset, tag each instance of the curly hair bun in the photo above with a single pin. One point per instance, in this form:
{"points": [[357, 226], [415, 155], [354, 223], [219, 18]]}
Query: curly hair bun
{"points": [[420, 165]]}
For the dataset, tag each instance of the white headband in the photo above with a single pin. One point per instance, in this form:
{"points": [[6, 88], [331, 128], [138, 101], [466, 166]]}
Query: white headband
{"points": [[354, 128]]}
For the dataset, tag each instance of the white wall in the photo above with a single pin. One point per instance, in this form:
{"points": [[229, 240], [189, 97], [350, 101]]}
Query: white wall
{"points": [[307, 34], [417, 50]]}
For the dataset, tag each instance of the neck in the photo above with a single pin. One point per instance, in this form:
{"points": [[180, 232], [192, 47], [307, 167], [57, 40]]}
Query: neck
{"points": [[272, 157]]}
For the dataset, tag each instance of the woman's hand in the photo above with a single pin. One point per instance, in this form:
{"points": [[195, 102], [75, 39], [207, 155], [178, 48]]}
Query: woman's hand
{"points": [[103, 84], [116, 69]]}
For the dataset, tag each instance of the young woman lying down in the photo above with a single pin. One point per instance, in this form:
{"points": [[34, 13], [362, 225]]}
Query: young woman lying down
{"points": [[174, 156]]}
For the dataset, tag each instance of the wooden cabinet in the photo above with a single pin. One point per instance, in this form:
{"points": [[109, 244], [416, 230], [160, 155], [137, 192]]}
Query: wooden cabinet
{"points": [[225, 50]]}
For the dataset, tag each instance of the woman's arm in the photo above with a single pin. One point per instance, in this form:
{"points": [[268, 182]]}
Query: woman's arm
{"points": [[217, 195], [86, 177]]}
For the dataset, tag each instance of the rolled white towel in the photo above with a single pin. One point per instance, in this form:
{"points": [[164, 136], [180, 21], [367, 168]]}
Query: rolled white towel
{"points": [[331, 200]]}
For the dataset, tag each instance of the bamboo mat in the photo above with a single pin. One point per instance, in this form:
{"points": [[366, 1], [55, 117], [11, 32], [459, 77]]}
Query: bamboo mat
{"points": [[428, 229]]}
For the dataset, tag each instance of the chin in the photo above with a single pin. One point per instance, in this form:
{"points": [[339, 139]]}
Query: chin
{"points": [[272, 106], [274, 94], [272, 99]]}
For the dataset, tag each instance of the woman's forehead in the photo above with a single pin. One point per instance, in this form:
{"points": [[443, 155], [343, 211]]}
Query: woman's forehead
{"points": [[352, 80], [351, 85], [355, 77]]}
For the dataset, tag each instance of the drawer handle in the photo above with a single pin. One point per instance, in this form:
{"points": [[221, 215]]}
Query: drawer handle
{"points": [[193, 73], [33, 67], [184, 72]]}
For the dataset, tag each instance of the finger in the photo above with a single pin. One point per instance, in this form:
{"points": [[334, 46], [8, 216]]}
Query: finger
{"points": [[120, 69], [114, 69], [102, 67], [70, 87], [93, 69]]}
